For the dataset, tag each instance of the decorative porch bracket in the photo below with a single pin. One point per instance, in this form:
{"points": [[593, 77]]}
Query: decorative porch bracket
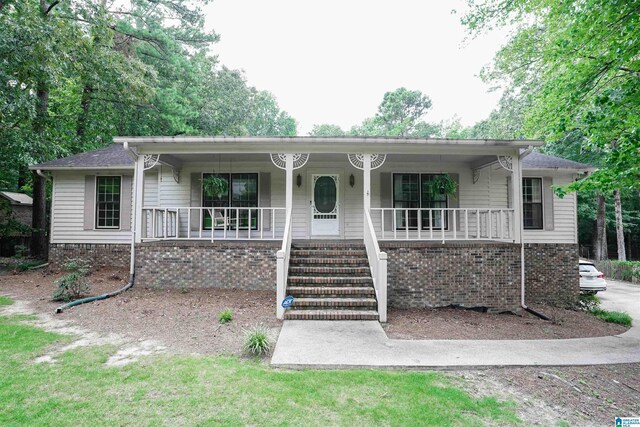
{"points": [[280, 160], [151, 160], [506, 162], [289, 162], [366, 163]]}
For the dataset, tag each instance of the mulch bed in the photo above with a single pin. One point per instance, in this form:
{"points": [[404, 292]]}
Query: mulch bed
{"points": [[461, 324]]}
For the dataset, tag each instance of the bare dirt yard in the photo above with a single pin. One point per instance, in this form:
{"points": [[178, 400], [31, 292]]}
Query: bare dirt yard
{"points": [[182, 321], [147, 320], [460, 324]]}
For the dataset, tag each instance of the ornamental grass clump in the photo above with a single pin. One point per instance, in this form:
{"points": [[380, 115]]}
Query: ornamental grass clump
{"points": [[225, 316], [256, 340]]}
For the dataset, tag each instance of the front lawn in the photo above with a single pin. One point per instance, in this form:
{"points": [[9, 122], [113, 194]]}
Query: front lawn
{"points": [[169, 390]]}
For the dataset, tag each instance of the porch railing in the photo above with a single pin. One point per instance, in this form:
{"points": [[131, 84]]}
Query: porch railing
{"points": [[282, 267], [443, 224], [378, 266], [209, 223]]}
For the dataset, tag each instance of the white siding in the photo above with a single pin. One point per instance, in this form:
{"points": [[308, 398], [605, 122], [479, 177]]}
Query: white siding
{"points": [[564, 214], [161, 190], [150, 188], [67, 212]]}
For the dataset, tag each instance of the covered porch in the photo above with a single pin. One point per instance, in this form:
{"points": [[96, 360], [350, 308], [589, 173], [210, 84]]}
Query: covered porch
{"points": [[285, 189]]}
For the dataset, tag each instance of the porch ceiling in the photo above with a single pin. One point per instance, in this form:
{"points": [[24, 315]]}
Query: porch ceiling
{"points": [[337, 158]]}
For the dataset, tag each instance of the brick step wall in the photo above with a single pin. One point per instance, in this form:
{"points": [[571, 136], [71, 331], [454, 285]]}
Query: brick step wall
{"points": [[330, 281]]}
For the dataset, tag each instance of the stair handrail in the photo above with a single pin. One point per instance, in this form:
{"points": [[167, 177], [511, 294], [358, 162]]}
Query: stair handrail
{"points": [[282, 267], [377, 264]]}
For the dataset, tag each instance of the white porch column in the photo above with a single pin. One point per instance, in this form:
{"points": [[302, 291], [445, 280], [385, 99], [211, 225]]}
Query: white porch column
{"points": [[138, 179], [289, 187], [517, 197], [366, 181]]}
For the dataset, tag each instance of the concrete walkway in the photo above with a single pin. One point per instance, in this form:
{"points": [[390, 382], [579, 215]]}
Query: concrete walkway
{"points": [[352, 344]]}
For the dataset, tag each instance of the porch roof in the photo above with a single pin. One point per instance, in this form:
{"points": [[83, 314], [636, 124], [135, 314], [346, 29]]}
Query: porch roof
{"points": [[309, 144], [116, 157]]}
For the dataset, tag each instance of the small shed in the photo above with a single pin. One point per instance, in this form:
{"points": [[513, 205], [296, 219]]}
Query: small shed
{"points": [[15, 221]]}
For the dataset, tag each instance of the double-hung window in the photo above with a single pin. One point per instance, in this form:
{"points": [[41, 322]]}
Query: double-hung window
{"points": [[532, 203], [412, 194], [108, 192], [242, 192]]}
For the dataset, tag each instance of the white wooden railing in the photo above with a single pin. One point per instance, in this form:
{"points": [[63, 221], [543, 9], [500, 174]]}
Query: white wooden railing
{"points": [[444, 224], [377, 264], [282, 267], [188, 223]]}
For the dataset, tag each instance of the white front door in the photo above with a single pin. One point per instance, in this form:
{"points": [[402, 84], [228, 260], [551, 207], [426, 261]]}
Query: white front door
{"points": [[325, 206]]}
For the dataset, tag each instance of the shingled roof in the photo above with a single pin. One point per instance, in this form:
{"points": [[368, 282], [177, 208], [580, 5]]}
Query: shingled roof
{"points": [[114, 156], [542, 161]]}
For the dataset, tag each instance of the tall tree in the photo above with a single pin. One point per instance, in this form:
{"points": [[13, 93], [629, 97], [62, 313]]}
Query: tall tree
{"points": [[401, 110], [579, 63], [399, 114], [619, 227], [326, 130], [267, 119], [600, 241]]}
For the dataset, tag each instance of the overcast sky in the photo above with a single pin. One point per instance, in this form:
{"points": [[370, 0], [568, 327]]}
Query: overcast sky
{"points": [[332, 61]]}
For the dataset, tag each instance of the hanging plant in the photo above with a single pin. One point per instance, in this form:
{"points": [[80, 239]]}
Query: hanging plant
{"points": [[215, 186], [442, 184]]}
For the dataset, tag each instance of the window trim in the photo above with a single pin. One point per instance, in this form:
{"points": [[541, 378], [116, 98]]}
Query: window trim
{"points": [[542, 207], [95, 204], [202, 195], [447, 201]]}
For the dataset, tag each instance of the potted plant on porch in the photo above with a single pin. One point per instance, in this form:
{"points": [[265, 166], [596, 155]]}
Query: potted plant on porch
{"points": [[442, 184]]}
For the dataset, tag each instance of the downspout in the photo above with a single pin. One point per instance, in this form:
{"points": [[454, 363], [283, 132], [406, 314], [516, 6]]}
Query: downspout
{"points": [[42, 174], [132, 273], [522, 263]]}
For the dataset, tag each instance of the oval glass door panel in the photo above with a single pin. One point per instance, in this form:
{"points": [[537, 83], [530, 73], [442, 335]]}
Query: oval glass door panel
{"points": [[324, 194]]}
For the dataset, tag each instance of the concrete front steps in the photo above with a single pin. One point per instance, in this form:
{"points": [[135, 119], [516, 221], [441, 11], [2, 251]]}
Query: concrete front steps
{"points": [[330, 280]]}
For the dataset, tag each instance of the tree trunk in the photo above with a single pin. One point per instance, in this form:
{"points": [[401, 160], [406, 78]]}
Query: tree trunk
{"points": [[622, 256], [39, 218], [81, 127], [600, 241]]}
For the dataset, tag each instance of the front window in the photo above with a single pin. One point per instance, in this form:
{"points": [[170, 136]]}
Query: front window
{"points": [[532, 203], [108, 201], [242, 193], [412, 191]]}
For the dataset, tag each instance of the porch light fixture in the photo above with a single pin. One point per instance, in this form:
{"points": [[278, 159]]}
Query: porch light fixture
{"points": [[299, 180], [352, 180]]}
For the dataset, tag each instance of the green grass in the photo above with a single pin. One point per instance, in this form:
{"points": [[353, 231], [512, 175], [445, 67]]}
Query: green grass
{"points": [[171, 390], [619, 317], [5, 300], [225, 316]]}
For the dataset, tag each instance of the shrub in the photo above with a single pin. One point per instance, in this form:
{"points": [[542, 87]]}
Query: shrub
{"points": [[256, 340], [588, 302], [628, 271], [618, 317], [74, 284], [225, 316]]}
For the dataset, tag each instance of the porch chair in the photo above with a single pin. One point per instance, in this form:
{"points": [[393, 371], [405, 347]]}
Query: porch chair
{"points": [[220, 220]]}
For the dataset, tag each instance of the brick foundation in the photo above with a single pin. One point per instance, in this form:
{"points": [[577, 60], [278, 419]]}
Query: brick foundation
{"points": [[248, 265], [467, 274], [551, 274], [99, 255]]}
